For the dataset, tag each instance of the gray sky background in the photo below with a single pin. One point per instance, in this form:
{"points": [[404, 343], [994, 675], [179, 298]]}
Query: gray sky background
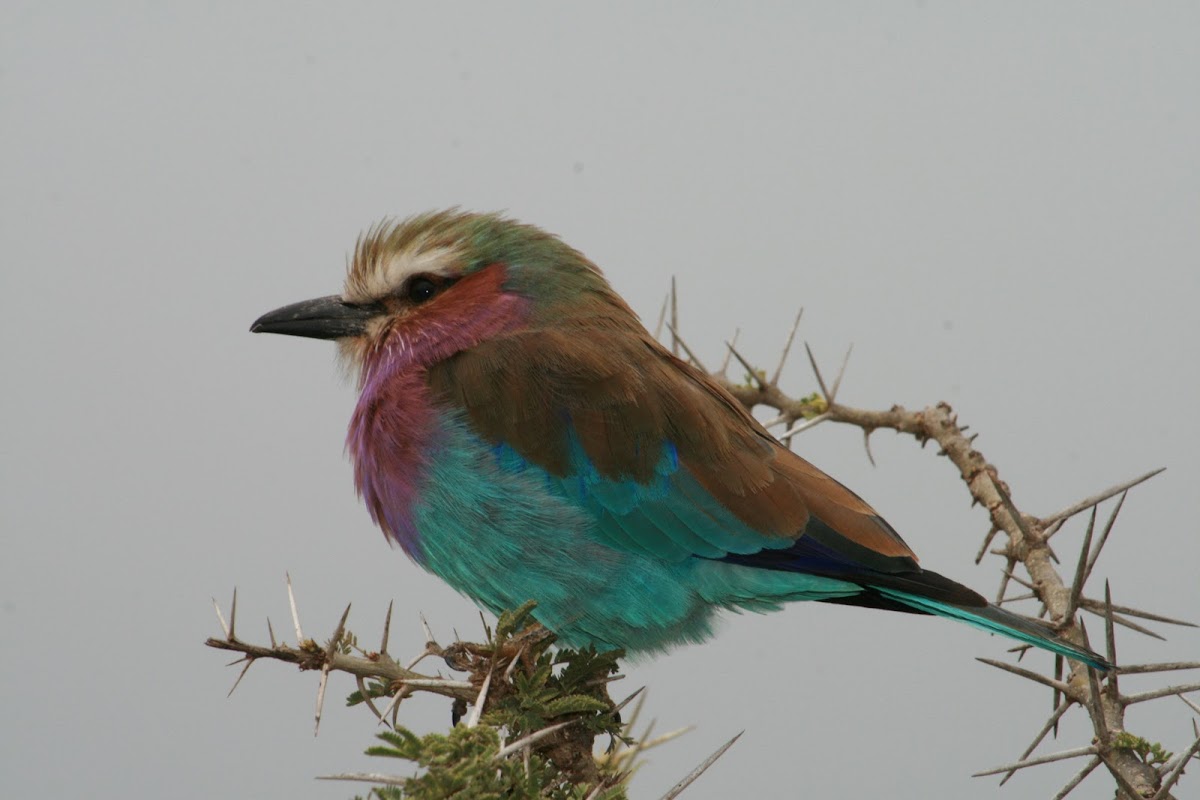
{"points": [[998, 205]]}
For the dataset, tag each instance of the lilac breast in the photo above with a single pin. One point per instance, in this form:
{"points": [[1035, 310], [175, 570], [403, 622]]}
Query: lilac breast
{"points": [[393, 433]]}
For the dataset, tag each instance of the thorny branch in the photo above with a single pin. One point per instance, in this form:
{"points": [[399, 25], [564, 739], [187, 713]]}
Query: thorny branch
{"points": [[510, 667], [337, 656], [1027, 544]]}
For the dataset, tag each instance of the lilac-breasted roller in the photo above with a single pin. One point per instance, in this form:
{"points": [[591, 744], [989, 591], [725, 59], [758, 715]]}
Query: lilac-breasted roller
{"points": [[522, 436]]}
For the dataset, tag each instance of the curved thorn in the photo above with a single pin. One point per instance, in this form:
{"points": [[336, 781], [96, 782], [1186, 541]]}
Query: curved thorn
{"points": [[366, 696]]}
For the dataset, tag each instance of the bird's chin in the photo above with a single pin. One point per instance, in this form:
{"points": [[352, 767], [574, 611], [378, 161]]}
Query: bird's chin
{"points": [[352, 353]]}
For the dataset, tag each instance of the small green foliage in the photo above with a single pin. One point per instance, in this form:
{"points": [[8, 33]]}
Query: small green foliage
{"points": [[532, 687], [515, 621], [557, 685], [759, 378], [1151, 753], [375, 688], [463, 763], [347, 644], [814, 405]]}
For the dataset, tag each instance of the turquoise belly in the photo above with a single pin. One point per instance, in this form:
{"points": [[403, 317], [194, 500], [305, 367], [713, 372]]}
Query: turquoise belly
{"points": [[503, 533]]}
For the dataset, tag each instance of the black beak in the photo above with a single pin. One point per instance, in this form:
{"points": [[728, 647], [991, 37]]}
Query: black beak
{"points": [[323, 318]]}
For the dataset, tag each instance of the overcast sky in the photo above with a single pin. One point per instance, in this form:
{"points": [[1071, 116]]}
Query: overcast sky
{"points": [[998, 205]]}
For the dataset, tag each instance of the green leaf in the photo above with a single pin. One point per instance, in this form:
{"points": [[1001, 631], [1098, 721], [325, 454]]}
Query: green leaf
{"points": [[512, 621], [575, 704]]}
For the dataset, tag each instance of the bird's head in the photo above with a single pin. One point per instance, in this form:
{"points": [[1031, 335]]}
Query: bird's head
{"points": [[433, 285]]}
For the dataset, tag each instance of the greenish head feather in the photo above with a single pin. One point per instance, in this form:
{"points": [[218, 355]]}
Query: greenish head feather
{"points": [[455, 243]]}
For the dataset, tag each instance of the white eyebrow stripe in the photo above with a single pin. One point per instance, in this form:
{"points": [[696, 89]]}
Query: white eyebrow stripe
{"points": [[384, 276]]}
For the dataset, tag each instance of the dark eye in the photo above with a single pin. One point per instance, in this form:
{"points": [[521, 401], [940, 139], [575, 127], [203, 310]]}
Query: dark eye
{"points": [[421, 289]]}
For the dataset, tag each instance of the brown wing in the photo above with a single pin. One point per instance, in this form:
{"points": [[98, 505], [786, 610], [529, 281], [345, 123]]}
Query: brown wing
{"points": [[625, 397]]}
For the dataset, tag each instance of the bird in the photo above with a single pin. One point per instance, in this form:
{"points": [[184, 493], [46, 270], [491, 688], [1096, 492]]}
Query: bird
{"points": [[521, 435]]}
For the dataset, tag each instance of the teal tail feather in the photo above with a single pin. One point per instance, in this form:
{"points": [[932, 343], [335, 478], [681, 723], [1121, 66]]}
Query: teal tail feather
{"points": [[996, 620]]}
